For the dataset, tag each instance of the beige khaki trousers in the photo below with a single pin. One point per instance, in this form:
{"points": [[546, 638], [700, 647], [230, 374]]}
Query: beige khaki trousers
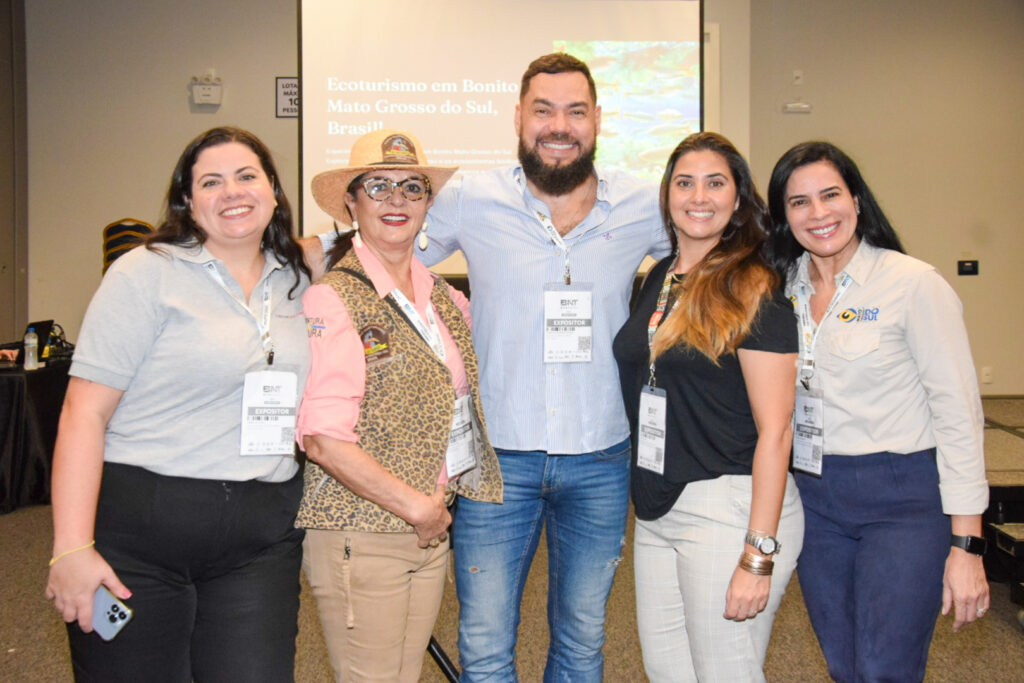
{"points": [[378, 595]]}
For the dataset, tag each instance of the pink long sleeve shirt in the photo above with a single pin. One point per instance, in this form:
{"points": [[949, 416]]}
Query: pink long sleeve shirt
{"points": [[337, 374]]}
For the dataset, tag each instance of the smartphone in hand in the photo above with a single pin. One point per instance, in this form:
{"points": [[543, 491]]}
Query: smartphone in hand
{"points": [[109, 615]]}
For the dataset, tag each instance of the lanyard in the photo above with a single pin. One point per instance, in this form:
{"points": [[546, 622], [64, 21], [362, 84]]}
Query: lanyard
{"points": [[263, 322], [659, 313], [807, 328], [558, 242], [428, 330]]}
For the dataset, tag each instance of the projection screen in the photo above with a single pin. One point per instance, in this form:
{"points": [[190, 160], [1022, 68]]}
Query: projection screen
{"points": [[449, 71]]}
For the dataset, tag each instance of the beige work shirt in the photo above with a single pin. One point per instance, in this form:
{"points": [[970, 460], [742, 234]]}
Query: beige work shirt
{"points": [[893, 363]]}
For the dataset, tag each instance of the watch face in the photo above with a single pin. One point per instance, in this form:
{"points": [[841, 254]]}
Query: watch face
{"points": [[768, 546], [976, 545]]}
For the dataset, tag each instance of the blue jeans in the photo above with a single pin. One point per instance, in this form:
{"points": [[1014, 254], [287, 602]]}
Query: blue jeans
{"points": [[875, 547], [583, 500]]}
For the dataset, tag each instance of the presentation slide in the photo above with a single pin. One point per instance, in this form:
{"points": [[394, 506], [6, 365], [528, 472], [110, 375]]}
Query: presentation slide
{"points": [[449, 71]]}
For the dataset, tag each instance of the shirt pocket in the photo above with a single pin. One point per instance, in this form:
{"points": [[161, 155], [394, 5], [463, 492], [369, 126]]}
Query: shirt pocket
{"points": [[854, 345]]}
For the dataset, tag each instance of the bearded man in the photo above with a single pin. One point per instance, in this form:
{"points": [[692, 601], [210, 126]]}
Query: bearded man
{"points": [[552, 247]]}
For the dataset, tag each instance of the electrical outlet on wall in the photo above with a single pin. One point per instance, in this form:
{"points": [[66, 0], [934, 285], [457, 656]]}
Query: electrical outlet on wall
{"points": [[986, 374]]}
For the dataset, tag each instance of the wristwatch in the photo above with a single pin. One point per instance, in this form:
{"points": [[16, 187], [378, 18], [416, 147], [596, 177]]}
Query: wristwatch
{"points": [[766, 544], [975, 545]]}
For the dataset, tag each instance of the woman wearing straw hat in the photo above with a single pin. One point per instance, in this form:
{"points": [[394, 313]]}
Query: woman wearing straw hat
{"points": [[390, 419]]}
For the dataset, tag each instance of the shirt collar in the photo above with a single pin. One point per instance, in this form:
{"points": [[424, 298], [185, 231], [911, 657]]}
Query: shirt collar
{"points": [[197, 253], [601, 202], [858, 268], [602, 183], [422, 279], [193, 252]]}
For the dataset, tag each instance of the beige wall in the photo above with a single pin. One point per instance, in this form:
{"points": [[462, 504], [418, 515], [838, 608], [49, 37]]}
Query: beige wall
{"points": [[924, 94], [928, 99], [733, 19], [109, 113]]}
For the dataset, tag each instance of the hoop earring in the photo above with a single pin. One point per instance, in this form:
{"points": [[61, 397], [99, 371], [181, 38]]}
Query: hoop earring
{"points": [[356, 239], [423, 241]]}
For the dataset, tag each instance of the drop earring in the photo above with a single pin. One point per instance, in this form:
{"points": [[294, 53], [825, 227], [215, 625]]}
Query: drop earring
{"points": [[356, 239], [423, 241]]}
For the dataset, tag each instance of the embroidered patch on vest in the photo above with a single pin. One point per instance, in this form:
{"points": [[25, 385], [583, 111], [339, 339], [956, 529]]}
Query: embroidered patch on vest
{"points": [[376, 343], [315, 327]]}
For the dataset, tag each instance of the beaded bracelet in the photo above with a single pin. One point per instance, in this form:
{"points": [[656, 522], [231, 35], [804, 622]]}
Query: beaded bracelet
{"points": [[74, 550], [759, 566]]}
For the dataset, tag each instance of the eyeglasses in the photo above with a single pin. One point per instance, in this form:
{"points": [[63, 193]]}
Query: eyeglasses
{"points": [[381, 189]]}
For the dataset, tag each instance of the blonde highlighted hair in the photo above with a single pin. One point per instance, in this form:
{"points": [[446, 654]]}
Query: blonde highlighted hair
{"points": [[716, 304]]}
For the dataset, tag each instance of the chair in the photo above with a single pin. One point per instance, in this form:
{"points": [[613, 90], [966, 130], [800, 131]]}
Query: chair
{"points": [[121, 236]]}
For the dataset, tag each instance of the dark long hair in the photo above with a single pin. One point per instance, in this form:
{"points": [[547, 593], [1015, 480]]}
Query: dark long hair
{"points": [[177, 226], [782, 250], [718, 301]]}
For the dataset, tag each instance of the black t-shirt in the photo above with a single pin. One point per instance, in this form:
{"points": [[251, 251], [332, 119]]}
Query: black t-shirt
{"points": [[710, 429]]}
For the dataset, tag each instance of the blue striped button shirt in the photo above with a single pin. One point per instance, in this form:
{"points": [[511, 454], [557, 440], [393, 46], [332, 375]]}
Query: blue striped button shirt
{"points": [[560, 408]]}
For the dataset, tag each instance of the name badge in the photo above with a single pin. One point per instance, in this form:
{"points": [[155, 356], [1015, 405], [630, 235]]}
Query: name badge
{"points": [[808, 431], [461, 455], [568, 323], [269, 400], [650, 451]]}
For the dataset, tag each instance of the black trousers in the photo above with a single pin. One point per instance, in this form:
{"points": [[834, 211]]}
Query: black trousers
{"points": [[213, 567]]}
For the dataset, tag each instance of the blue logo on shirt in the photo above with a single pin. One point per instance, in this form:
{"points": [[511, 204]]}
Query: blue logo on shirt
{"points": [[862, 315]]}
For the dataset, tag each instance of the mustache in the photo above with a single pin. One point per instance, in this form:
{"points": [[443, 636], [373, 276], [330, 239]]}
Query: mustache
{"points": [[557, 137]]}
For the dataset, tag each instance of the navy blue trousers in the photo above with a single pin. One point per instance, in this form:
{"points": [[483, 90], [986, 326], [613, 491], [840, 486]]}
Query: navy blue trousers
{"points": [[875, 546]]}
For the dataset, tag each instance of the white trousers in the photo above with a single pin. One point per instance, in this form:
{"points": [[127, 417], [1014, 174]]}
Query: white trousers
{"points": [[684, 563]]}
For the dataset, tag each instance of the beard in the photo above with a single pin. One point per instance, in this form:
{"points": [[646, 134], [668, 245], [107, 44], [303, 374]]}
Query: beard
{"points": [[556, 180]]}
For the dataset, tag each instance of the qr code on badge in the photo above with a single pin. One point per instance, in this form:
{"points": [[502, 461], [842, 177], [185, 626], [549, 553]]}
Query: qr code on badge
{"points": [[583, 344], [287, 434]]}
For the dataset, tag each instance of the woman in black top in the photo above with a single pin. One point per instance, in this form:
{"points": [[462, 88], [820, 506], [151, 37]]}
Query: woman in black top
{"points": [[707, 362]]}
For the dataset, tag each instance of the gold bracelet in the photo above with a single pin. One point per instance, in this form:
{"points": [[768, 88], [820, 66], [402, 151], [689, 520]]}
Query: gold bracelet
{"points": [[759, 566], [68, 552], [761, 570], [755, 560]]}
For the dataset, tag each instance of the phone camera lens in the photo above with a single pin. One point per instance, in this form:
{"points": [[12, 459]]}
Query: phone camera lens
{"points": [[112, 618], [123, 616], [114, 609]]}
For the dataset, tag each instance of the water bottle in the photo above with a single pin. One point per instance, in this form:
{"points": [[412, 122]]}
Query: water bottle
{"points": [[31, 349]]}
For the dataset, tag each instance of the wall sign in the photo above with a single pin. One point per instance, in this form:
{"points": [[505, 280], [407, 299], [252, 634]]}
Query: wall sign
{"points": [[287, 97]]}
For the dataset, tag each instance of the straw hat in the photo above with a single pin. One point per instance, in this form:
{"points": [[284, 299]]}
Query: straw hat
{"points": [[378, 150]]}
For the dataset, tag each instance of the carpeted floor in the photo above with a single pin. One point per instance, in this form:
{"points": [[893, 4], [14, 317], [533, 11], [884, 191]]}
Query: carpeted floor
{"points": [[33, 645]]}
